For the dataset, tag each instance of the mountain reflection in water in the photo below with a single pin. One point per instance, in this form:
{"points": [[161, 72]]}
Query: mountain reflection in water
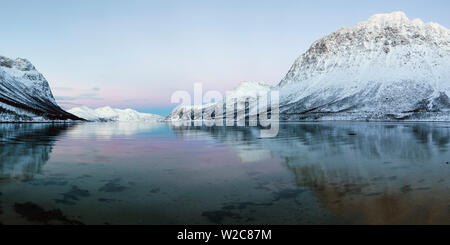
{"points": [[365, 173], [311, 173], [25, 148]]}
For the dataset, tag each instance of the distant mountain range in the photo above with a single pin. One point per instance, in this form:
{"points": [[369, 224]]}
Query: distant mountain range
{"points": [[386, 68], [247, 90], [108, 114], [25, 96]]}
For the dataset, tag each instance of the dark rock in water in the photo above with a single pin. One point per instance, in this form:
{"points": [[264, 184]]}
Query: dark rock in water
{"points": [[287, 194], [113, 186], [108, 200], [75, 193], [72, 195], [406, 189], [34, 213]]}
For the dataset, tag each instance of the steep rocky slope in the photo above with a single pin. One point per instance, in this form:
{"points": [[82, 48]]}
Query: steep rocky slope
{"points": [[25, 94]]}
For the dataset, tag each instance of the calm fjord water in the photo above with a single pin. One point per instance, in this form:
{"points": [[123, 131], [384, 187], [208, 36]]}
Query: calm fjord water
{"points": [[312, 173]]}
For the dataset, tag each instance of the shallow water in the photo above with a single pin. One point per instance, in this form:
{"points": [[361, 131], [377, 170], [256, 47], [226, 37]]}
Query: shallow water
{"points": [[312, 173]]}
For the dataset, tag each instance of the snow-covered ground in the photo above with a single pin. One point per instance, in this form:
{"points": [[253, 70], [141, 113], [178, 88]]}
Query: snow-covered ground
{"points": [[108, 114]]}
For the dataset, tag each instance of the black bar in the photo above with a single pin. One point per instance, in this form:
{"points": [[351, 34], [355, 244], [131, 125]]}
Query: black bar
{"points": [[149, 234]]}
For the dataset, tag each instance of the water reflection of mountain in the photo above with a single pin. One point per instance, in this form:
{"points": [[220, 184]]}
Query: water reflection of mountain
{"points": [[25, 148], [419, 142], [372, 173], [109, 130]]}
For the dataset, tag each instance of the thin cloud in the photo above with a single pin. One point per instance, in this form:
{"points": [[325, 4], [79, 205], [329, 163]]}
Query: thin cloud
{"points": [[84, 96], [133, 100]]}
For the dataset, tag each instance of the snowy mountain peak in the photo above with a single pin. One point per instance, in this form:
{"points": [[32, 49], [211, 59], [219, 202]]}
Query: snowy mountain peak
{"points": [[383, 66], [400, 21], [388, 19], [23, 72], [19, 64], [383, 40], [25, 94]]}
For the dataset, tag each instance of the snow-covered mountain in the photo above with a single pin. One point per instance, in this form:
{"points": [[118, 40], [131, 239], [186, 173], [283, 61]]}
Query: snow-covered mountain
{"points": [[244, 91], [108, 114], [25, 94], [386, 68]]}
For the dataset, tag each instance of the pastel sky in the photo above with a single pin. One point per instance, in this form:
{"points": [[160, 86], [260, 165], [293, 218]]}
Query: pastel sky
{"points": [[135, 54]]}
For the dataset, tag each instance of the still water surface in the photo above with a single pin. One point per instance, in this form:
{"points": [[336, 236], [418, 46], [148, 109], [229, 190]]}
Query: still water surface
{"points": [[312, 173]]}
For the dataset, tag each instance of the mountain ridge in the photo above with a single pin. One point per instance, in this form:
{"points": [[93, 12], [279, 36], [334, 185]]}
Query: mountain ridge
{"points": [[108, 114], [384, 68], [25, 95]]}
